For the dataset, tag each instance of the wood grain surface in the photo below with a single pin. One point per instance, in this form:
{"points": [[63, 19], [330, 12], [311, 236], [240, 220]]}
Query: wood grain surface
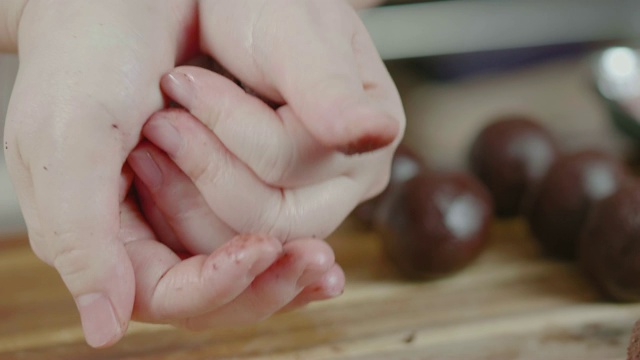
{"points": [[510, 304]]}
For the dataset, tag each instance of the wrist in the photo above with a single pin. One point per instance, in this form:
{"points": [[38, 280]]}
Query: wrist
{"points": [[10, 14]]}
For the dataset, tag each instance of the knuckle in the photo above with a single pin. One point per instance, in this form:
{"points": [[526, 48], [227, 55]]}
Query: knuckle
{"points": [[277, 156], [70, 260], [204, 172], [281, 225]]}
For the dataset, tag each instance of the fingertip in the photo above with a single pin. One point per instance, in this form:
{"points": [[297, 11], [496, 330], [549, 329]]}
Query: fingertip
{"points": [[340, 113], [316, 255], [101, 325], [366, 130], [188, 85], [330, 286], [333, 282], [101, 279], [358, 129], [103, 294], [146, 167], [179, 86]]}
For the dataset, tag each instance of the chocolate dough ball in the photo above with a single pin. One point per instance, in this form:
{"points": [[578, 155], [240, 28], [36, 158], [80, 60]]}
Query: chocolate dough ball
{"points": [[609, 249], [511, 155], [405, 165], [565, 197], [435, 224]]}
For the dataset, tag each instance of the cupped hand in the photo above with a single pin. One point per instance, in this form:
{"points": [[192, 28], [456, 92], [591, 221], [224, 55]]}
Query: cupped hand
{"points": [[246, 280]]}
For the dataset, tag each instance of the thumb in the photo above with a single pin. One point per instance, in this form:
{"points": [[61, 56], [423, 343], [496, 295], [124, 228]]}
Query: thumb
{"points": [[81, 222], [325, 87], [70, 189], [337, 112], [78, 207], [330, 85], [310, 63]]}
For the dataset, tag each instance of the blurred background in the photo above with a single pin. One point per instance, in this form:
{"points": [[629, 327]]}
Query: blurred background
{"points": [[459, 64], [10, 218]]}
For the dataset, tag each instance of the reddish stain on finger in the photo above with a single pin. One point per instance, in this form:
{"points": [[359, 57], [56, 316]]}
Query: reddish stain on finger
{"points": [[366, 143]]}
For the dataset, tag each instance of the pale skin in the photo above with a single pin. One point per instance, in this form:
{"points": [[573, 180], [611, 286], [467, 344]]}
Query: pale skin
{"points": [[89, 88]]}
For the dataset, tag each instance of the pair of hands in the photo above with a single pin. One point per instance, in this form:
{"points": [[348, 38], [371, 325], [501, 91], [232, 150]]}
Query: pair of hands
{"points": [[226, 165]]}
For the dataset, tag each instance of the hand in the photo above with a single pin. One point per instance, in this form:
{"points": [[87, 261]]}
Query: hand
{"points": [[275, 171], [260, 171], [244, 281], [88, 80], [313, 55], [74, 102]]}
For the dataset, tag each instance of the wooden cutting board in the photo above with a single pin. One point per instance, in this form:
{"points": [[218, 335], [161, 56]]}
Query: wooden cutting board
{"points": [[510, 304]]}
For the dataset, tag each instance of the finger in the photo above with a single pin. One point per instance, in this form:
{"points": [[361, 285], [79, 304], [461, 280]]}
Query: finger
{"points": [[80, 236], [329, 286], [302, 263], [169, 289], [274, 144], [163, 232], [376, 80], [380, 88], [237, 196], [319, 80], [281, 153], [331, 100], [336, 111], [179, 200], [72, 210]]}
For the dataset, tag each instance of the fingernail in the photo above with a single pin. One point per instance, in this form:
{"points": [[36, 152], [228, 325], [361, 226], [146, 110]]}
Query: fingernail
{"points": [[99, 321], [164, 135], [179, 86], [146, 169]]}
